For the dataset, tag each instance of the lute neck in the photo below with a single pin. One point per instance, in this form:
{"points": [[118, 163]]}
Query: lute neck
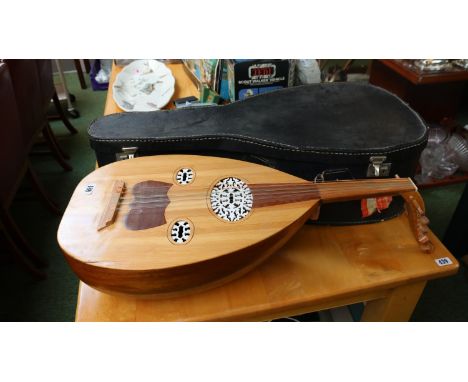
{"points": [[281, 193], [359, 189]]}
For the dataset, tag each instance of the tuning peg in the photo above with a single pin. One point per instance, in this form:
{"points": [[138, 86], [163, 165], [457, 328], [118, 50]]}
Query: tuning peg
{"points": [[424, 220], [423, 239], [417, 206], [422, 228], [427, 247]]}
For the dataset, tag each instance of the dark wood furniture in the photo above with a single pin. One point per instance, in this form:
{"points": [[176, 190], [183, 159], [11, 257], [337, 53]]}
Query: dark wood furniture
{"points": [[79, 71], [48, 92], [26, 90], [434, 95], [14, 155], [30, 91], [458, 177]]}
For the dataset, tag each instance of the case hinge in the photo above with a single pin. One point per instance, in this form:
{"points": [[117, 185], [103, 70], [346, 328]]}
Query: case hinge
{"points": [[377, 167], [127, 153]]}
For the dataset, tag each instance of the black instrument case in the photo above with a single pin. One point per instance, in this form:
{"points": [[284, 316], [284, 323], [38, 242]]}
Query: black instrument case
{"points": [[317, 132]]}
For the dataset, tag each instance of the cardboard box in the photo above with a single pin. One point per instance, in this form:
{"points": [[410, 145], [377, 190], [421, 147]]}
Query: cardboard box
{"points": [[247, 78]]}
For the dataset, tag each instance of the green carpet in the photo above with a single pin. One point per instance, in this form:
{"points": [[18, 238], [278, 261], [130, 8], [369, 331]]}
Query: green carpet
{"points": [[55, 298], [443, 299]]}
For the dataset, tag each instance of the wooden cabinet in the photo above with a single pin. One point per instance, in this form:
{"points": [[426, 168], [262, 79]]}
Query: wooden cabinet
{"points": [[434, 95]]}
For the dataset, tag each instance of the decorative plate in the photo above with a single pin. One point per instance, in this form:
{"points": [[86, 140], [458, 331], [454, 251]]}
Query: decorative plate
{"points": [[143, 85]]}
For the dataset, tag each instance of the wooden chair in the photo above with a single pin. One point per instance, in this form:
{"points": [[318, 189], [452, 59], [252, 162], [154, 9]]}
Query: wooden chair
{"points": [[79, 71], [14, 155], [30, 103], [48, 92]]}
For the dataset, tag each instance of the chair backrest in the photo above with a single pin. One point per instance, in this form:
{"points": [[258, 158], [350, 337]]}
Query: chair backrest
{"points": [[46, 81], [25, 80], [13, 152]]}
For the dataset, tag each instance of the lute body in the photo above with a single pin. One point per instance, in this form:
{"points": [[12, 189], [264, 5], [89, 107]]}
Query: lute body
{"points": [[169, 224]]}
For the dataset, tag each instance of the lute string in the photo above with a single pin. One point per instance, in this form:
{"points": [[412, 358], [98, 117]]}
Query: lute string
{"points": [[298, 188], [159, 201], [269, 191], [260, 195]]}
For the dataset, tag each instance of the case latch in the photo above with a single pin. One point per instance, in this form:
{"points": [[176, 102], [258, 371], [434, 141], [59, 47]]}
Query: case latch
{"points": [[377, 167], [127, 153]]}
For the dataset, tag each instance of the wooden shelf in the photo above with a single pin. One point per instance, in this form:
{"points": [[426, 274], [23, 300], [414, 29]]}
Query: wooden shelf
{"points": [[434, 95], [422, 77], [459, 177]]}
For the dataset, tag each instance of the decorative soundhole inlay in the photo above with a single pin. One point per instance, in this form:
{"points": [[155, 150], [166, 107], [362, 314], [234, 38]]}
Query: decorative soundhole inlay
{"points": [[185, 176], [181, 232], [231, 199]]}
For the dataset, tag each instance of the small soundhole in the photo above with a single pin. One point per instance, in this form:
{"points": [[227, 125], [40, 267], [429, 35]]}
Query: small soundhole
{"points": [[180, 232], [185, 176]]}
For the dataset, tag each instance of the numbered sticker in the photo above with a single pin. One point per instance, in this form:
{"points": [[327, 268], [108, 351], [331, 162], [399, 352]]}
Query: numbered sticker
{"points": [[443, 261], [89, 189]]}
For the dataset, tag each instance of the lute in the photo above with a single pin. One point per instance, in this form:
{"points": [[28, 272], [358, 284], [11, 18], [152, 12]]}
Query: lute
{"points": [[170, 224]]}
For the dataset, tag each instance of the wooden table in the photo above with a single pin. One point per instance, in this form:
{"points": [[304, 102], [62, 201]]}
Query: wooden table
{"points": [[320, 268]]}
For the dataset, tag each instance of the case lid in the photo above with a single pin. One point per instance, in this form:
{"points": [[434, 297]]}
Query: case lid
{"points": [[297, 123]]}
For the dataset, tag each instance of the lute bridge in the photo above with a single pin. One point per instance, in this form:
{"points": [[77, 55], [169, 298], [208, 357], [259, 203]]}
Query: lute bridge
{"points": [[109, 213]]}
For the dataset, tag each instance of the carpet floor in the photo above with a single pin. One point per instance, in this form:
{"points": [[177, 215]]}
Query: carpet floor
{"points": [[54, 299]]}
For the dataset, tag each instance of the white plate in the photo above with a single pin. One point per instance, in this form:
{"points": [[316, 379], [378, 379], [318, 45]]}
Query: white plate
{"points": [[143, 85]]}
